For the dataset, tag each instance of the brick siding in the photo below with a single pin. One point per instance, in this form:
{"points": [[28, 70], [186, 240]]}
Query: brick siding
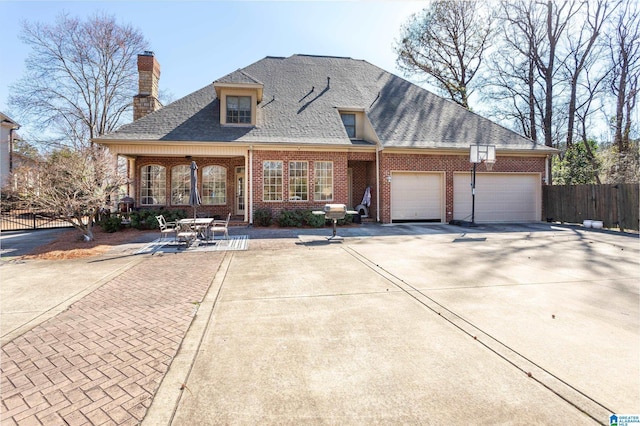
{"points": [[168, 162], [363, 169], [340, 182]]}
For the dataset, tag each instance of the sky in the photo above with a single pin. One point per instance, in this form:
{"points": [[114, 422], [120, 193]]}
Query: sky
{"points": [[197, 42]]}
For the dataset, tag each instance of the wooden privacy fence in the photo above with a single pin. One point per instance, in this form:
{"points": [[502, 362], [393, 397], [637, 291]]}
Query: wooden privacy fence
{"points": [[615, 205]]}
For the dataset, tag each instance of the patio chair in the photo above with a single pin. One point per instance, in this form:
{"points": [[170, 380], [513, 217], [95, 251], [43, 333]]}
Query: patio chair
{"points": [[186, 234], [220, 226], [166, 228]]}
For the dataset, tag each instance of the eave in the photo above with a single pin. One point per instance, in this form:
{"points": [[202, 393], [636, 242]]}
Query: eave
{"points": [[217, 149]]}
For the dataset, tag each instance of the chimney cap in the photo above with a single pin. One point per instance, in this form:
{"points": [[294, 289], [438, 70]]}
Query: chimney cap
{"points": [[148, 53]]}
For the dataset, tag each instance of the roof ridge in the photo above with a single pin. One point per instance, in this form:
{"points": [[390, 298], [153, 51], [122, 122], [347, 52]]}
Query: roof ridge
{"points": [[325, 56]]}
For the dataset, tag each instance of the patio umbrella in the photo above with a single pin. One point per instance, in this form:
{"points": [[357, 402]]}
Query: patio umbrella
{"points": [[194, 197]]}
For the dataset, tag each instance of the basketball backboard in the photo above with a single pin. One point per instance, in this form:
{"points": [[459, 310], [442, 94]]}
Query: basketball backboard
{"points": [[482, 153]]}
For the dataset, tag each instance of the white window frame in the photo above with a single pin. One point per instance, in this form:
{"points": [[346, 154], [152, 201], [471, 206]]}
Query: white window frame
{"points": [[298, 178], [272, 180], [240, 119], [153, 187], [323, 180], [214, 181], [180, 185]]}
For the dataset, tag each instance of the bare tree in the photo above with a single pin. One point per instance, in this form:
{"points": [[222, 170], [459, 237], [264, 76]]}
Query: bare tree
{"points": [[73, 185], [79, 78], [582, 55], [624, 46], [447, 42], [558, 17], [513, 83]]}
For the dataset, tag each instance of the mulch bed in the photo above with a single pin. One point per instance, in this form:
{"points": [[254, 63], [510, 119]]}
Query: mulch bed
{"points": [[71, 244]]}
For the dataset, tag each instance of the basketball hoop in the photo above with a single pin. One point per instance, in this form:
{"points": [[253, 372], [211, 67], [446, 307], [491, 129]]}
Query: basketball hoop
{"points": [[480, 154], [489, 164]]}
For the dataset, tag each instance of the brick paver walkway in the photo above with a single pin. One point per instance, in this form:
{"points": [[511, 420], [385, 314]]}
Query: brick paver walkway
{"points": [[102, 360]]}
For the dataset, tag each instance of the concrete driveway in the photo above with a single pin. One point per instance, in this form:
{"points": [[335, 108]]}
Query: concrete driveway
{"points": [[415, 324]]}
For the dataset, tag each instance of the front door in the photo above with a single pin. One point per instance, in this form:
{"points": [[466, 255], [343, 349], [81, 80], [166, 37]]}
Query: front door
{"points": [[240, 190]]}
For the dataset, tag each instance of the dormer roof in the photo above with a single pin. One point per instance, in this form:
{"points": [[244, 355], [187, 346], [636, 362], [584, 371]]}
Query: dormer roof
{"points": [[239, 79]]}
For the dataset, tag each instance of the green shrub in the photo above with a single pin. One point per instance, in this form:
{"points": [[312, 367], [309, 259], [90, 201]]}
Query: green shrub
{"points": [[146, 219], [290, 218], [313, 220], [143, 219], [262, 217], [173, 215], [111, 224], [347, 220]]}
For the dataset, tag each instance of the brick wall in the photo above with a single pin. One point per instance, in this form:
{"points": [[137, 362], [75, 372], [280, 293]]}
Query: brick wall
{"points": [[363, 169], [340, 183], [168, 162]]}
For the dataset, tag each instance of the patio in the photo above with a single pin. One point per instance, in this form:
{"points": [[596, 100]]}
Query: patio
{"points": [[162, 245]]}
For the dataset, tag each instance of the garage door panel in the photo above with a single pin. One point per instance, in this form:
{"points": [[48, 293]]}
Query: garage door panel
{"points": [[500, 197], [416, 196]]}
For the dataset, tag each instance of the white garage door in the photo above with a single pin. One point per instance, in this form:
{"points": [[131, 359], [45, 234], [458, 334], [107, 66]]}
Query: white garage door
{"points": [[416, 196], [500, 197]]}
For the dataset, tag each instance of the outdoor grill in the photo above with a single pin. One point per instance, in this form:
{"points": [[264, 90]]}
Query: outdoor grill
{"points": [[334, 212], [126, 204]]}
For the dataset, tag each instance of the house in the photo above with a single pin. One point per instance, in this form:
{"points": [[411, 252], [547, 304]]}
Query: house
{"points": [[8, 136], [302, 131]]}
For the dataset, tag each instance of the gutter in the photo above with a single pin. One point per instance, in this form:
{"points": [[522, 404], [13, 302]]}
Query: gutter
{"points": [[250, 184]]}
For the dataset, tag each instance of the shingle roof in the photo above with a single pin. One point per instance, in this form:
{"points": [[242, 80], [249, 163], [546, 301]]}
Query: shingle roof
{"points": [[238, 76], [300, 104]]}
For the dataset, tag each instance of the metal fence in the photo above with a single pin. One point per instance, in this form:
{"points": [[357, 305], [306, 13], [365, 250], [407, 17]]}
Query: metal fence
{"points": [[17, 220], [615, 205]]}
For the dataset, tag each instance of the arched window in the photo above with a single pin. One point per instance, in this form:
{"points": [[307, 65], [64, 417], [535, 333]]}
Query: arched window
{"points": [[180, 185], [214, 185], [153, 185]]}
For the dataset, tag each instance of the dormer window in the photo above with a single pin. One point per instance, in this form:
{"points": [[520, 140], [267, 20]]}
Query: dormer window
{"points": [[349, 121], [239, 95], [238, 109]]}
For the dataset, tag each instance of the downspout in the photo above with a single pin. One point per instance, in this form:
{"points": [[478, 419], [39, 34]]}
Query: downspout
{"points": [[546, 170], [250, 186], [378, 149], [11, 130]]}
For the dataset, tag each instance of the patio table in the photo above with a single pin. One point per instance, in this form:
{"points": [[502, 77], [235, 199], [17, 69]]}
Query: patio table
{"points": [[200, 225]]}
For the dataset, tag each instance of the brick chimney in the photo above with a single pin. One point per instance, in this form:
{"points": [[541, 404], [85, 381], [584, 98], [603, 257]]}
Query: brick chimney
{"points": [[146, 101]]}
